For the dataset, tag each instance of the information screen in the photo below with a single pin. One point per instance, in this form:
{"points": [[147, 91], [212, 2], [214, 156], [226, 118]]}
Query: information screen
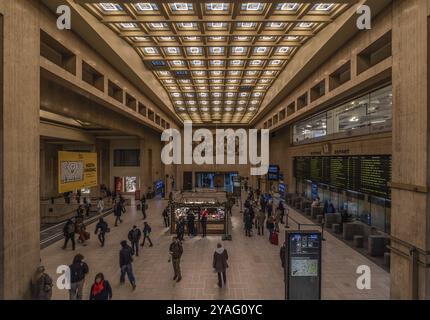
{"points": [[303, 272], [273, 174], [364, 174]]}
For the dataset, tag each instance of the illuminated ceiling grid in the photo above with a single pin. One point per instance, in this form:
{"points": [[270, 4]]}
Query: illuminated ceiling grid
{"points": [[216, 59]]}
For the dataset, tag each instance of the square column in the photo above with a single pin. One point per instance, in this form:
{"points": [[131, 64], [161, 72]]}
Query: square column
{"points": [[19, 147]]}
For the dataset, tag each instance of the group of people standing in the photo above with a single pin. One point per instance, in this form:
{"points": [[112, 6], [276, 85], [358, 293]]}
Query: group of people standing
{"points": [[190, 222], [260, 213]]}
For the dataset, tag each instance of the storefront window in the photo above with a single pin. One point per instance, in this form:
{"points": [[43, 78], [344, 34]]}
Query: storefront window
{"points": [[374, 109]]}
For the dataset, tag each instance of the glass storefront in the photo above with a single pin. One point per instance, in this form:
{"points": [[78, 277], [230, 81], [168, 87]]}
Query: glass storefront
{"points": [[369, 111], [219, 181]]}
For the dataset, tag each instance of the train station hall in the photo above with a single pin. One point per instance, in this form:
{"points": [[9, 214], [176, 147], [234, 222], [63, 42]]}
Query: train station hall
{"points": [[242, 150]]}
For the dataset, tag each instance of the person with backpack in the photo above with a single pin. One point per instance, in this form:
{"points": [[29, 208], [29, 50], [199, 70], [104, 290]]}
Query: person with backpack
{"points": [[101, 229], [176, 250], [69, 234], [101, 289], [41, 285], [144, 206], [126, 264], [134, 236], [146, 233], [220, 264], [166, 219], [78, 270]]}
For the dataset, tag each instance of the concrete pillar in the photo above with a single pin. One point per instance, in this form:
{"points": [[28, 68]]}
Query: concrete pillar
{"points": [[410, 217], [19, 146], [143, 167]]}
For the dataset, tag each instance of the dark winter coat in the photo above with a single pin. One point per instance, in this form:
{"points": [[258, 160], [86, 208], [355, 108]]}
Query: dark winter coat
{"points": [[176, 250], [125, 256], [220, 260], [78, 271], [105, 294]]}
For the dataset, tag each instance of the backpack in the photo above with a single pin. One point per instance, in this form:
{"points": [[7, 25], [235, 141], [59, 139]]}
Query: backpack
{"points": [[70, 228]]}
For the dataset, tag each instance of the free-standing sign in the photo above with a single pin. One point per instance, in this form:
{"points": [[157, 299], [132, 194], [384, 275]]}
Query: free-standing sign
{"points": [[303, 265], [77, 170], [236, 186]]}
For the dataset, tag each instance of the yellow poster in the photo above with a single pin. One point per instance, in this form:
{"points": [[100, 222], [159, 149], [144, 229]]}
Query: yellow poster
{"points": [[76, 170]]}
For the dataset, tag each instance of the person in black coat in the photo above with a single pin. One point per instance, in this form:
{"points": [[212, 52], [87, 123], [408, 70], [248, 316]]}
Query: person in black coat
{"points": [[118, 210], [125, 263], [101, 229], [248, 222], [69, 234], [134, 236], [78, 270], [191, 223], [166, 218], [282, 254], [101, 289], [220, 264]]}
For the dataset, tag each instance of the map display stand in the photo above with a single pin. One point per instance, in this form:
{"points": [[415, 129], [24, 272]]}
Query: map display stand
{"points": [[303, 265]]}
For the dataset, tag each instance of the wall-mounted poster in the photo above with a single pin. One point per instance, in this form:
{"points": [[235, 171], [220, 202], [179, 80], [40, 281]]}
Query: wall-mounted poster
{"points": [[76, 170]]}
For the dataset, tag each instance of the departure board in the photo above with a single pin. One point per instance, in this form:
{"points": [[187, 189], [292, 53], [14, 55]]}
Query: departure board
{"points": [[302, 168], [339, 172], [365, 174], [375, 176], [317, 169]]}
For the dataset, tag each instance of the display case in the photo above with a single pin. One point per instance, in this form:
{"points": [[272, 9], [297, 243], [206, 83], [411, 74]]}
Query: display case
{"points": [[216, 221]]}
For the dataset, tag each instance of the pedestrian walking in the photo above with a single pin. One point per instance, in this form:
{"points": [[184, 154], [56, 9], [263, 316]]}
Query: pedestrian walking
{"points": [[126, 264], [78, 270], [101, 229], [143, 206], [166, 219], [118, 210], [146, 233], [220, 264], [69, 234], [134, 236], [176, 250]]}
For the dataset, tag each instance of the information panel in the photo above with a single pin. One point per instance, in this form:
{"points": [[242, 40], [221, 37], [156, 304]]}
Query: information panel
{"points": [[364, 174], [77, 170], [303, 265]]}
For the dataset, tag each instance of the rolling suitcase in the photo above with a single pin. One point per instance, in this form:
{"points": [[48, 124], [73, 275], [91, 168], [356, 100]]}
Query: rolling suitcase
{"points": [[274, 239]]}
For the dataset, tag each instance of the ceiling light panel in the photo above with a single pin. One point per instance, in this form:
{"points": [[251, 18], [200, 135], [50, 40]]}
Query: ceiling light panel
{"points": [[216, 58]]}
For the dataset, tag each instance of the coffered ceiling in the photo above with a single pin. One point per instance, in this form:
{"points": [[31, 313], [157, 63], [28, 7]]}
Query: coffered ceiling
{"points": [[216, 59]]}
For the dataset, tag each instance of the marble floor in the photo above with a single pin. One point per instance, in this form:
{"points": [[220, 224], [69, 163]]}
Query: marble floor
{"points": [[255, 269]]}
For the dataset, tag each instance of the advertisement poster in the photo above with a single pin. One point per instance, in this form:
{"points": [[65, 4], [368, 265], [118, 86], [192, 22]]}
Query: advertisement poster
{"points": [[76, 170]]}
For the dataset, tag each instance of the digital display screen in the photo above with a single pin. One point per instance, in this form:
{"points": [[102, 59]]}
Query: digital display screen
{"points": [[273, 174], [364, 174]]}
